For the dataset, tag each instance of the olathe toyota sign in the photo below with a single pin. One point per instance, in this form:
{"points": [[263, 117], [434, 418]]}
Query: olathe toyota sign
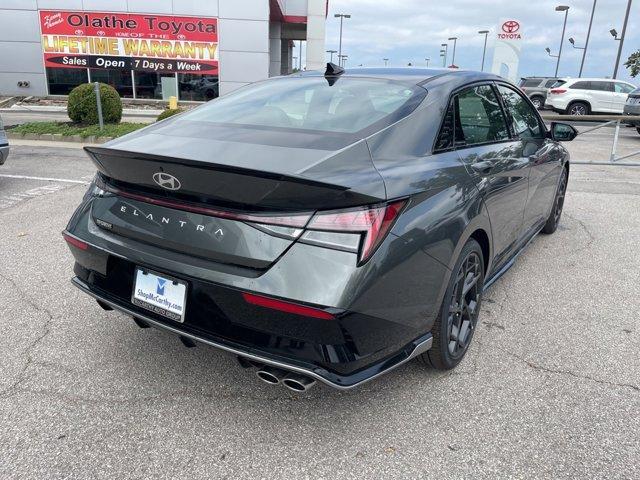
{"points": [[159, 49]]}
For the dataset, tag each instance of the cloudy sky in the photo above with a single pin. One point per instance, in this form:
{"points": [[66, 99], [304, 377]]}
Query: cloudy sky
{"points": [[412, 30]]}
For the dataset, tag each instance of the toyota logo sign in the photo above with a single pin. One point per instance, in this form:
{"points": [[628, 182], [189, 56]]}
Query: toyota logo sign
{"points": [[166, 181], [510, 26], [510, 30]]}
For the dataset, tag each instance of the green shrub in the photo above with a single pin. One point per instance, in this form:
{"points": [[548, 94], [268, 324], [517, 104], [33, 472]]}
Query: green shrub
{"points": [[82, 107], [169, 113]]}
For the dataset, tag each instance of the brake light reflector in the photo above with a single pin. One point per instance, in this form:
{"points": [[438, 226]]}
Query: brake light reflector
{"points": [[75, 242], [558, 91], [288, 307], [373, 223]]}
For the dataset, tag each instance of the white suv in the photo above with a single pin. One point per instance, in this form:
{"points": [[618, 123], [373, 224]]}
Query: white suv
{"points": [[582, 96]]}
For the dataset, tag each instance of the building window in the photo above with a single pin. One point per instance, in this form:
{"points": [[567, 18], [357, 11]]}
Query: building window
{"points": [[118, 79], [198, 87], [62, 80], [155, 85]]}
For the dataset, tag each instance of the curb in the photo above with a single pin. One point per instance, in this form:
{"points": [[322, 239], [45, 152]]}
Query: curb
{"points": [[56, 137]]}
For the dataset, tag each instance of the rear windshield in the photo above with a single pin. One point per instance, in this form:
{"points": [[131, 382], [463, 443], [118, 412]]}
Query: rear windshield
{"points": [[310, 103]]}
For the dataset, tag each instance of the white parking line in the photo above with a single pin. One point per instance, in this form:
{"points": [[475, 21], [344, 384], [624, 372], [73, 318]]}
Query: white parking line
{"points": [[10, 200], [45, 179]]}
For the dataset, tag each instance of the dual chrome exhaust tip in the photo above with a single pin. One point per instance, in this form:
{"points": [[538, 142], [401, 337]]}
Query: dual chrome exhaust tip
{"points": [[275, 376]]}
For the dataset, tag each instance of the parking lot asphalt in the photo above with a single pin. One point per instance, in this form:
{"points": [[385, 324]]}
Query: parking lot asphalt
{"points": [[549, 389]]}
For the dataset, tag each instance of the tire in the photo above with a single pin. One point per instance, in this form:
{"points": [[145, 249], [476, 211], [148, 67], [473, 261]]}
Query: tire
{"points": [[449, 348], [578, 108], [558, 203], [538, 102]]}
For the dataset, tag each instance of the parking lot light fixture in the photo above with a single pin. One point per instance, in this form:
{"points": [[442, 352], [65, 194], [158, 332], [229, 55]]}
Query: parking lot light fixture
{"points": [[427, 60], [341, 16], [586, 44], [446, 51], [455, 42], [621, 39], [331, 52], [484, 50], [386, 61], [565, 9]]}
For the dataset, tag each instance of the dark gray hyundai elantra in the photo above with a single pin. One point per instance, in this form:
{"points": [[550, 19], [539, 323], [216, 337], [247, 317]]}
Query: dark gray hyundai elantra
{"points": [[326, 226]]}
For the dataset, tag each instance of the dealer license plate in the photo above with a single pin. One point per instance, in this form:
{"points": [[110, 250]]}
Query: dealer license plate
{"points": [[160, 294]]}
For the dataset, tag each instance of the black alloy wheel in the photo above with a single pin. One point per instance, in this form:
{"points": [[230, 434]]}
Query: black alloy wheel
{"points": [[558, 204], [458, 319]]}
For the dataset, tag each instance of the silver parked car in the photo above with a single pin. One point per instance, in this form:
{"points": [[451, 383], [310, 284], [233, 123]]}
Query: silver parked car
{"points": [[632, 107], [4, 144], [536, 88]]}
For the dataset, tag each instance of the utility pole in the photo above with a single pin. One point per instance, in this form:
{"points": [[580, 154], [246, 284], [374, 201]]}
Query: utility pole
{"points": [[624, 32]]}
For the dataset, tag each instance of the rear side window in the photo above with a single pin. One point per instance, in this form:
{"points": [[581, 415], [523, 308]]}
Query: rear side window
{"points": [[532, 82], [552, 83], [580, 86], [480, 118], [523, 118], [557, 83], [474, 117], [602, 86]]}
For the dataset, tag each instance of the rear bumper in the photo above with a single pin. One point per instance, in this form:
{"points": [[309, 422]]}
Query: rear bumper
{"points": [[341, 382], [382, 311]]}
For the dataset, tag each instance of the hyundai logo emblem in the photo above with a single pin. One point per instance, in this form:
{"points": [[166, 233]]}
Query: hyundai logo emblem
{"points": [[166, 181]]}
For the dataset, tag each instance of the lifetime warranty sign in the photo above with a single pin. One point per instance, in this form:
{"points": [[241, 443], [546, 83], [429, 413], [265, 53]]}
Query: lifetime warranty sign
{"points": [[160, 43]]}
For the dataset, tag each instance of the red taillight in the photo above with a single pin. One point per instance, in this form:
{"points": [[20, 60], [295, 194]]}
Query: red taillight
{"points": [[372, 223], [558, 91], [75, 242], [288, 307]]}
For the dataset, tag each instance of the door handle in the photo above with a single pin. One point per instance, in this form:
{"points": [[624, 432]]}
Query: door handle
{"points": [[483, 168]]}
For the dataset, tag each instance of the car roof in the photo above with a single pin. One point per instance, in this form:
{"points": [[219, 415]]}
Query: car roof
{"points": [[414, 76]]}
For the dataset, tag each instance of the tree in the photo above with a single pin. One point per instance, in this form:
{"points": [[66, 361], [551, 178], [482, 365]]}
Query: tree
{"points": [[633, 64]]}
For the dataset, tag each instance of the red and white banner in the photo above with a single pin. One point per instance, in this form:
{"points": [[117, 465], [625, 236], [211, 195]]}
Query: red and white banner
{"points": [[160, 43]]}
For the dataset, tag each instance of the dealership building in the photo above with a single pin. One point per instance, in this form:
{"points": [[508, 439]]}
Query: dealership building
{"points": [[155, 49]]}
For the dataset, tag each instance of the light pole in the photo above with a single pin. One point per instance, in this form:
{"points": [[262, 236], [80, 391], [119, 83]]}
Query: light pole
{"points": [[586, 45], [342, 60], [295, 60], [621, 39], [386, 61], [565, 9], [427, 60], [341, 16], [332, 52], [484, 50], [455, 41], [446, 51]]}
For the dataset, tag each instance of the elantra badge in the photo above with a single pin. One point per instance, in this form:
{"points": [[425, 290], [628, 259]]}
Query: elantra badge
{"points": [[166, 181]]}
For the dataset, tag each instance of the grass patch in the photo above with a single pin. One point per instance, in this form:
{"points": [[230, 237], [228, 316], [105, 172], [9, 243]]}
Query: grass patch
{"points": [[69, 129]]}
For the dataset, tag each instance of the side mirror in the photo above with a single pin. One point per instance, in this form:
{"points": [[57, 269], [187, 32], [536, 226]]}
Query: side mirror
{"points": [[563, 132]]}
